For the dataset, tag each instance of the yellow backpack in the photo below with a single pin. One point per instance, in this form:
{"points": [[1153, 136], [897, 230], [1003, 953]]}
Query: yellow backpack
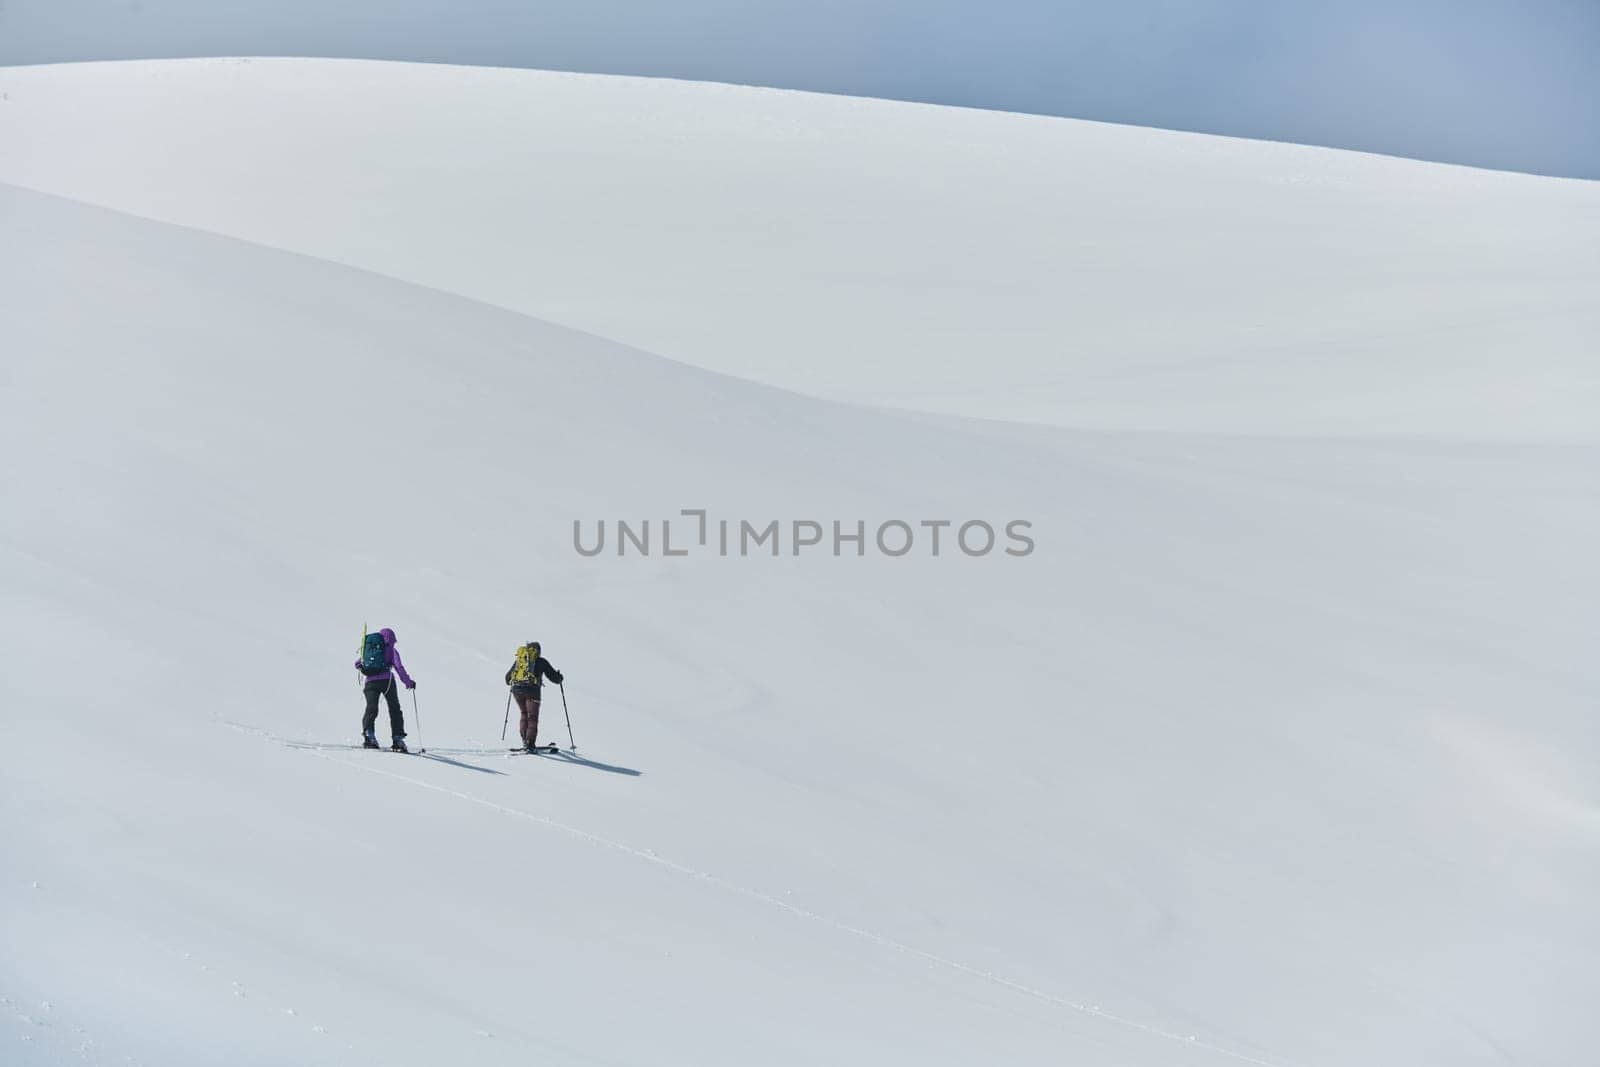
{"points": [[527, 657]]}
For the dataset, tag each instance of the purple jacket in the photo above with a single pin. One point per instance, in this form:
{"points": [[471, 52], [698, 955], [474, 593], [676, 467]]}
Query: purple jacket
{"points": [[394, 661]]}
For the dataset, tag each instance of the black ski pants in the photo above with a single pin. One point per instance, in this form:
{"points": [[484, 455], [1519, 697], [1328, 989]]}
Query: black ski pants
{"points": [[369, 721]]}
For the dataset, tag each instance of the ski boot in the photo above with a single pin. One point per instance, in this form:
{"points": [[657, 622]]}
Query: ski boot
{"points": [[399, 745], [369, 741]]}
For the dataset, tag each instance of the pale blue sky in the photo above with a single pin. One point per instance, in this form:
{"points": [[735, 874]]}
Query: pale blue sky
{"points": [[1494, 83]]}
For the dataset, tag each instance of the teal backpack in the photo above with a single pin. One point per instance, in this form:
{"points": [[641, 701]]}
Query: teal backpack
{"points": [[374, 655]]}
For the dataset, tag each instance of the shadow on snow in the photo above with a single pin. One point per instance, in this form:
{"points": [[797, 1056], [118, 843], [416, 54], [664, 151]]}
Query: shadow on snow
{"points": [[565, 756], [315, 746]]}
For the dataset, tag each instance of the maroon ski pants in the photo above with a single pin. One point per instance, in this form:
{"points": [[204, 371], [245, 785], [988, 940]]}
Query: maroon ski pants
{"points": [[528, 701]]}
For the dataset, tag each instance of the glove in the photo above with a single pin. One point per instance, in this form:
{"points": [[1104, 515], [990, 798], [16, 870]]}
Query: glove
{"points": [[411, 685]]}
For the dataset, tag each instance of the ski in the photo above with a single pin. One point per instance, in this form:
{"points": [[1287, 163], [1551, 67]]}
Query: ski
{"points": [[538, 750], [333, 746]]}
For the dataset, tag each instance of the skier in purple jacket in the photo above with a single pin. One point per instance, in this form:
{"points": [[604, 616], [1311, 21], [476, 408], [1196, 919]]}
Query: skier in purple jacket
{"points": [[381, 682]]}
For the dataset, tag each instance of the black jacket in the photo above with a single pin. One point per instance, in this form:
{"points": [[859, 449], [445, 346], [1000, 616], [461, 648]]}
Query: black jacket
{"points": [[541, 669]]}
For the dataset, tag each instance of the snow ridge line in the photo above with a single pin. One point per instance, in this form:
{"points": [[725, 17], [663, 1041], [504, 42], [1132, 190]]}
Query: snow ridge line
{"points": [[766, 898]]}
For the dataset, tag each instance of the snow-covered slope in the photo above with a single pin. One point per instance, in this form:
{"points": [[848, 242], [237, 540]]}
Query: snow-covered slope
{"points": [[1268, 751], [1274, 750], [937, 258]]}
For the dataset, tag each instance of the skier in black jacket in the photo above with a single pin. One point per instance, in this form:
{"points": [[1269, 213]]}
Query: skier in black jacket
{"points": [[525, 677]]}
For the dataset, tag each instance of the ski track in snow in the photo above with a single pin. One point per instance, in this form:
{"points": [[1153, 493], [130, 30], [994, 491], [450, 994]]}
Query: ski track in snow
{"points": [[755, 894]]}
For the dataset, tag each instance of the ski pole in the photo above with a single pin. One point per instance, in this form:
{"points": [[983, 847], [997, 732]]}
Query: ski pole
{"points": [[563, 687], [416, 714], [507, 723]]}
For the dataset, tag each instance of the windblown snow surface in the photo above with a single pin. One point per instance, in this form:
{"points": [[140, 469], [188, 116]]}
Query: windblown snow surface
{"points": [[1280, 747]]}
